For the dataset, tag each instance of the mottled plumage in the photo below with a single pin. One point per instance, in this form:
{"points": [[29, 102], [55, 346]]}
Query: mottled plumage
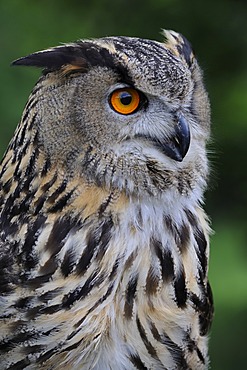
{"points": [[103, 241]]}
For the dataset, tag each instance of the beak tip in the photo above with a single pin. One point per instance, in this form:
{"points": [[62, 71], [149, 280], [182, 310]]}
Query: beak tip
{"points": [[174, 153]]}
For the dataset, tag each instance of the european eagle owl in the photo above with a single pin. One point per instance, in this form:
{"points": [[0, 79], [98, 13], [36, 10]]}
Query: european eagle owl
{"points": [[103, 240]]}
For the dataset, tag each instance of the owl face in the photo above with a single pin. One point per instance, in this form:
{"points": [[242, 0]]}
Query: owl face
{"points": [[123, 113]]}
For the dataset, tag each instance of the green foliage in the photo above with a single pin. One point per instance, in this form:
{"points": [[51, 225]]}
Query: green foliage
{"points": [[218, 32], [229, 280]]}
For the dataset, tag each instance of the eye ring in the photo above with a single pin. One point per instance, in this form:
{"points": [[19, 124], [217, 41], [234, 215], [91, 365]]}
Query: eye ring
{"points": [[126, 100]]}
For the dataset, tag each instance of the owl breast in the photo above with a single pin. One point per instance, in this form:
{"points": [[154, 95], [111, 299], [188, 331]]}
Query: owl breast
{"points": [[121, 292]]}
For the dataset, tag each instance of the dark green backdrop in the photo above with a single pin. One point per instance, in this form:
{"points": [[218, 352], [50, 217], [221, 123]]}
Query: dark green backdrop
{"points": [[218, 32]]}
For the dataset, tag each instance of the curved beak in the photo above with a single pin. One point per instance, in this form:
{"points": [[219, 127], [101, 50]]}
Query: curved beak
{"points": [[178, 145]]}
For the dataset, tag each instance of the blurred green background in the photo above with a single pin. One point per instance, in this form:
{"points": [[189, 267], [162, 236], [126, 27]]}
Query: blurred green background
{"points": [[218, 31]]}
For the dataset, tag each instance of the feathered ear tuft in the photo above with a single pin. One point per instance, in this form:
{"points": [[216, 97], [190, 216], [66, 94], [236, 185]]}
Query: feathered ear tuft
{"points": [[179, 45], [55, 58]]}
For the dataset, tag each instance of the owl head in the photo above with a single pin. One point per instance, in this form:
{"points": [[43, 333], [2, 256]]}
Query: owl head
{"points": [[121, 113]]}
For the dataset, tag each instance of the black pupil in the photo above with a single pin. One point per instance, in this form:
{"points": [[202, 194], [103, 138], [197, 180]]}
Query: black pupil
{"points": [[125, 98]]}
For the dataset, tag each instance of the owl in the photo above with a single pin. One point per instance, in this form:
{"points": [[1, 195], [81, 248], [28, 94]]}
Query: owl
{"points": [[104, 244]]}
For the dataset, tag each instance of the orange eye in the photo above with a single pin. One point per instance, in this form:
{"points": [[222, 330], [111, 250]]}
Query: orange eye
{"points": [[125, 100]]}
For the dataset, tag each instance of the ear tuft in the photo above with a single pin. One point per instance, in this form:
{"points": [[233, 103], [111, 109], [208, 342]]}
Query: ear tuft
{"points": [[179, 45], [54, 59]]}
